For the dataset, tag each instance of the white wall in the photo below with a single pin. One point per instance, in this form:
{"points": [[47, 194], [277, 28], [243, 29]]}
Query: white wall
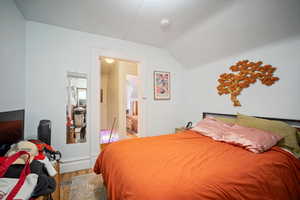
{"points": [[279, 100], [113, 98], [52, 51], [12, 57]]}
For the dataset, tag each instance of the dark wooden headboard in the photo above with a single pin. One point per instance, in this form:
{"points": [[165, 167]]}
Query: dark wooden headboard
{"points": [[292, 122], [13, 116]]}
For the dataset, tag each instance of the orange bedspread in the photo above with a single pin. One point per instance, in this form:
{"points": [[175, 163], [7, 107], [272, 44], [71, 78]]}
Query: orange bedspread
{"points": [[189, 166]]}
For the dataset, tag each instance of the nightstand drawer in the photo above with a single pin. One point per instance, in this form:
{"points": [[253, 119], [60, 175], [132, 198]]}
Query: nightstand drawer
{"points": [[179, 129]]}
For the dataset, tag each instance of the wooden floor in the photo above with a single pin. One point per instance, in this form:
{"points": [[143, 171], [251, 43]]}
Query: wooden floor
{"points": [[65, 179], [66, 182]]}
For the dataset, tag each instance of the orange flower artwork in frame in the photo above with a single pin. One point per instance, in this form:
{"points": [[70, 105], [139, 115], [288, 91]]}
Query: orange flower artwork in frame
{"points": [[244, 73]]}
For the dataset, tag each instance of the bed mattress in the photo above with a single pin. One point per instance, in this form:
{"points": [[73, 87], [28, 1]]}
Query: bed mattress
{"points": [[188, 165]]}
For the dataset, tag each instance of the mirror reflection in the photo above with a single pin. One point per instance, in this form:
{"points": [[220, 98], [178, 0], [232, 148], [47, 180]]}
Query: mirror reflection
{"points": [[76, 108]]}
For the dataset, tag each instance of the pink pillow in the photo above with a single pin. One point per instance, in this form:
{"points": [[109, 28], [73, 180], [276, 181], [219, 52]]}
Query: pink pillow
{"points": [[212, 128], [252, 139]]}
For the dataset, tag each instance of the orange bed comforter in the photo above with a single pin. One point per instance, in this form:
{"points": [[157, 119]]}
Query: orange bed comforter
{"points": [[189, 166]]}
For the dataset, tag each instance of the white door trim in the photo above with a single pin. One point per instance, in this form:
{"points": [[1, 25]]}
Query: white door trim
{"points": [[95, 95]]}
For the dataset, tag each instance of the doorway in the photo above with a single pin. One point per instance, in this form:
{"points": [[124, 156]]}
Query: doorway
{"points": [[119, 99]]}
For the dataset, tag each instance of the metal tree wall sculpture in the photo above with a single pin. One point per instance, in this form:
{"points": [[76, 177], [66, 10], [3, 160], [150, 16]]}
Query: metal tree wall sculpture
{"points": [[244, 74]]}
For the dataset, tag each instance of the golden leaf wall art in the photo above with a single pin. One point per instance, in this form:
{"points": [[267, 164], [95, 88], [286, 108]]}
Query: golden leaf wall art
{"points": [[244, 74]]}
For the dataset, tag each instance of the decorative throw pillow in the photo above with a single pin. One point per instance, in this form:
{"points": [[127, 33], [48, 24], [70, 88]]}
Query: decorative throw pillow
{"points": [[211, 127], [280, 128], [227, 120], [252, 139]]}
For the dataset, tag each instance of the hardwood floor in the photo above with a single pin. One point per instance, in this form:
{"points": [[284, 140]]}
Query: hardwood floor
{"points": [[66, 182], [66, 178]]}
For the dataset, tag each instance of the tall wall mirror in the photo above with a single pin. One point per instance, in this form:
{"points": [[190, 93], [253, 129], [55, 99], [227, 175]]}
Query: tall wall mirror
{"points": [[76, 109]]}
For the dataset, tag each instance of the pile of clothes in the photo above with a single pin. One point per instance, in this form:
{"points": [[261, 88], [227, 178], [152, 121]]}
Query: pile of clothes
{"points": [[26, 171]]}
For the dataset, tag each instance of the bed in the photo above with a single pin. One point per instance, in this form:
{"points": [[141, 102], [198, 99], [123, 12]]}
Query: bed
{"points": [[188, 165]]}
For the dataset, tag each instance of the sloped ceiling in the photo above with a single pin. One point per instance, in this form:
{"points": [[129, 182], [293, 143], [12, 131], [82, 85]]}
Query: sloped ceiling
{"points": [[201, 31], [243, 26]]}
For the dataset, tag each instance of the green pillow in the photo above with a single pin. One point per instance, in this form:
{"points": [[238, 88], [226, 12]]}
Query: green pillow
{"points": [[227, 120], [280, 128]]}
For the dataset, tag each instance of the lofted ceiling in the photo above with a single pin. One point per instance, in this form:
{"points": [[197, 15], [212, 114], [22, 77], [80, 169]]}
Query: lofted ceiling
{"points": [[201, 31]]}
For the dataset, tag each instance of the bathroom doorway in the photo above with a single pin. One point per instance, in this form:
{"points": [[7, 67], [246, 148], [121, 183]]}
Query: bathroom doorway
{"points": [[119, 99]]}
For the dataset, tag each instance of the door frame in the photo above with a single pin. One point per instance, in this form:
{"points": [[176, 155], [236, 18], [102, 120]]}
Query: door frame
{"points": [[95, 83]]}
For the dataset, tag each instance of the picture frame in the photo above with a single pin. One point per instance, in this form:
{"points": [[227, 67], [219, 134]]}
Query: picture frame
{"points": [[162, 82]]}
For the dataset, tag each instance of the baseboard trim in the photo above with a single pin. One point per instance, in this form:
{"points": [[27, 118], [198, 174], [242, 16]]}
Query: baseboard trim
{"points": [[93, 159], [75, 164], [78, 163], [75, 159]]}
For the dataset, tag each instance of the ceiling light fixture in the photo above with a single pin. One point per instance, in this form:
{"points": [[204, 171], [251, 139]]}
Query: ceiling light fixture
{"points": [[109, 60], [164, 23]]}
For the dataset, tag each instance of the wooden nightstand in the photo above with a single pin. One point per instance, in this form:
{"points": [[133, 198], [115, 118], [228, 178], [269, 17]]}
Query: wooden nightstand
{"points": [[56, 194], [179, 129]]}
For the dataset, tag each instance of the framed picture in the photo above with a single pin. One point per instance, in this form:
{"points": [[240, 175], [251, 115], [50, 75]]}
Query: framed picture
{"points": [[162, 85]]}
